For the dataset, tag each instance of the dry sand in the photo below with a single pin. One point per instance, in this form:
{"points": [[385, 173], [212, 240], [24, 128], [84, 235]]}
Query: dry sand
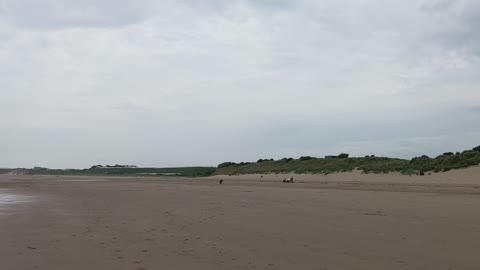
{"points": [[341, 221]]}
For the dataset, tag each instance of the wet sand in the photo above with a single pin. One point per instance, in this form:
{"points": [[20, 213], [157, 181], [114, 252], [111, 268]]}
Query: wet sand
{"points": [[343, 221]]}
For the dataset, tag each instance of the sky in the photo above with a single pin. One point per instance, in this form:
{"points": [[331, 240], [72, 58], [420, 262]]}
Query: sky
{"points": [[178, 83]]}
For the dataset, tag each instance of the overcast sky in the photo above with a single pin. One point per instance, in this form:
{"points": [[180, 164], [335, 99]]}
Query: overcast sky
{"points": [[173, 83]]}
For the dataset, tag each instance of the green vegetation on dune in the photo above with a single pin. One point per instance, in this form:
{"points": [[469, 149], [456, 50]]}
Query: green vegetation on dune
{"points": [[316, 165], [305, 164], [343, 163], [447, 161]]}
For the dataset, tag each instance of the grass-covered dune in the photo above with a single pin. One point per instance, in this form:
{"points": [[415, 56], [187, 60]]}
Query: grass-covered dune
{"points": [[343, 163]]}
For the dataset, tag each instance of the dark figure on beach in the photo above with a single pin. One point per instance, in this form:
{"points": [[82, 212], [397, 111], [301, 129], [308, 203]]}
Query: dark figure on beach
{"points": [[221, 181], [288, 180]]}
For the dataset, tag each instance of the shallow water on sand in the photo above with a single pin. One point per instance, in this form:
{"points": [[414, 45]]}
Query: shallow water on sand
{"points": [[8, 198], [83, 180]]}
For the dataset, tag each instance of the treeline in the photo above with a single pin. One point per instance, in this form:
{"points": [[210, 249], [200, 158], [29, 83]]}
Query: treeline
{"points": [[5, 171], [129, 171], [344, 163], [285, 160]]}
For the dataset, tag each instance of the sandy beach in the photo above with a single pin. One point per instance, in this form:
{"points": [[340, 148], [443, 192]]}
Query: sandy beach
{"points": [[339, 221]]}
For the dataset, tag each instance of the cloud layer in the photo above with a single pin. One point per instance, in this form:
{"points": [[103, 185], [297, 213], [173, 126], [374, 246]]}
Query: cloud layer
{"points": [[183, 83]]}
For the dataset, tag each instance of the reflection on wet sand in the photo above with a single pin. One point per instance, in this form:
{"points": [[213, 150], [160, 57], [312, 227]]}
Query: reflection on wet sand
{"points": [[8, 198]]}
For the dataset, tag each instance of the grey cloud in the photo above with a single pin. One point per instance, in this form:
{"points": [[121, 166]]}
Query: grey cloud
{"points": [[437, 6], [459, 20], [51, 14], [475, 109], [187, 82]]}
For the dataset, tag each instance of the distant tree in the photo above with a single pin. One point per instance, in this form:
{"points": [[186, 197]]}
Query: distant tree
{"points": [[476, 149], [343, 155], [306, 158], [448, 154]]}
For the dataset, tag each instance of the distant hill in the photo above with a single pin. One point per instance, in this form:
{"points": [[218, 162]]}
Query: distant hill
{"points": [[344, 163], [124, 171]]}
